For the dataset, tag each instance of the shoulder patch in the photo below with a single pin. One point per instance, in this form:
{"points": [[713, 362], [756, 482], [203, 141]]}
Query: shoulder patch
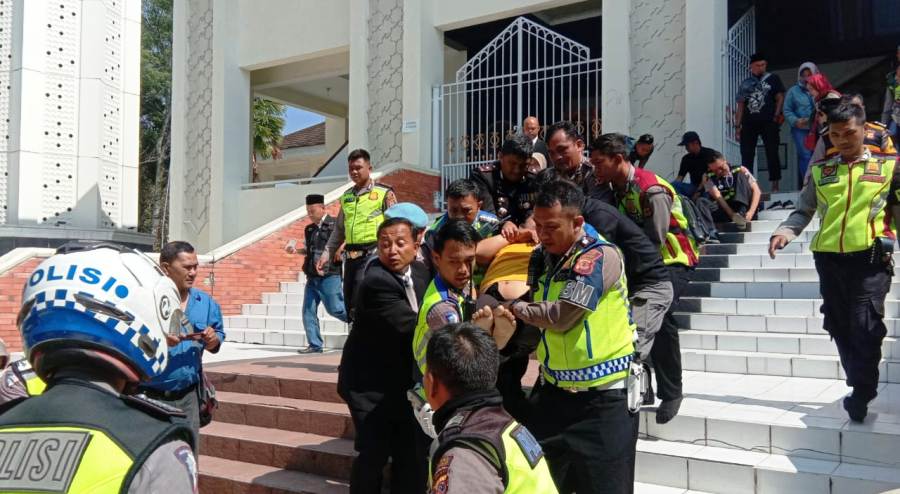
{"points": [[578, 293], [440, 483], [386, 187], [528, 444], [186, 457], [586, 262], [153, 407]]}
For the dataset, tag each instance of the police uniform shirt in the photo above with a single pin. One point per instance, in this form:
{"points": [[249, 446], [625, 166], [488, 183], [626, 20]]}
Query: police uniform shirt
{"points": [[512, 202], [172, 468], [806, 208], [339, 234], [725, 182], [599, 269], [315, 237], [463, 471], [11, 386]]}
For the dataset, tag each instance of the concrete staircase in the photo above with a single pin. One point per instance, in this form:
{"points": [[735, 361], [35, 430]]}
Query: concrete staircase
{"points": [[762, 410]]}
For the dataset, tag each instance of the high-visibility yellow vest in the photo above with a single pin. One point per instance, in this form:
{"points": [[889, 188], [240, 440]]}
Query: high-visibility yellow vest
{"points": [[363, 214], [514, 452], [599, 348], [80, 439], [851, 202], [678, 247], [725, 184], [437, 292], [34, 385]]}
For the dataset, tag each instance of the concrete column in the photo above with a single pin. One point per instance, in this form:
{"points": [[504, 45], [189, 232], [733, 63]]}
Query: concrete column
{"points": [[423, 68], [358, 113], [231, 129], [703, 69], [179, 108], [616, 75]]}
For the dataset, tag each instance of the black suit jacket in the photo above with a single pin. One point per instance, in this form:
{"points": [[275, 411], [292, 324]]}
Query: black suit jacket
{"points": [[541, 147], [377, 363]]}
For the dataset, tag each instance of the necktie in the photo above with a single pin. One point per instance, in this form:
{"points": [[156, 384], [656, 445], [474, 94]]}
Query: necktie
{"points": [[410, 291]]}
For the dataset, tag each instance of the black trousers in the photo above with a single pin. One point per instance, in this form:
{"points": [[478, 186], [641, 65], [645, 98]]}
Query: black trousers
{"points": [[353, 275], [768, 130], [853, 292], [389, 432], [588, 438], [509, 384], [665, 355]]}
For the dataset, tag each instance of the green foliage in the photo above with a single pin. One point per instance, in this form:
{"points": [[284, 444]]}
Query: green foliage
{"points": [[268, 125]]}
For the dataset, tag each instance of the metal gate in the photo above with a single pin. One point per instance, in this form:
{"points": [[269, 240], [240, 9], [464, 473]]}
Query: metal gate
{"points": [[740, 45], [526, 70]]}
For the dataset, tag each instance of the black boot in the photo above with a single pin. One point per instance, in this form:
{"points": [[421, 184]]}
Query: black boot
{"points": [[667, 410]]}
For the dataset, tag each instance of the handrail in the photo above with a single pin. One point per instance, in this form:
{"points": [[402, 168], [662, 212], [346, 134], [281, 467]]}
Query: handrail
{"points": [[298, 181], [331, 158]]}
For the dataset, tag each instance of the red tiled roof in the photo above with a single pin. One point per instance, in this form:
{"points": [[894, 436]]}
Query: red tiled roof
{"points": [[310, 136]]}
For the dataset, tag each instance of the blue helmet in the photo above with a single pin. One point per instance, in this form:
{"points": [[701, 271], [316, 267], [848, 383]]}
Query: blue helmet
{"points": [[102, 297]]}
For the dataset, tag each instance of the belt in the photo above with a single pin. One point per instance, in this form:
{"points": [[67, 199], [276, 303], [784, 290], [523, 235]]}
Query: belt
{"points": [[356, 254], [620, 384], [169, 395], [593, 372]]}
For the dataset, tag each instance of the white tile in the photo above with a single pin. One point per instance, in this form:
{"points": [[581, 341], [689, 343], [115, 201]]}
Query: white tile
{"points": [[737, 435], [817, 346], [718, 305], [824, 369], [893, 372], [805, 261], [234, 335], [641, 488], [746, 323], [256, 322], [660, 469], [276, 298], [795, 308], [688, 340], [253, 337], [275, 338], [736, 343], [770, 481], [292, 310], [814, 325], [755, 307], [709, 342], [258, 309], [804, 274], [736, 275], [764, 290], [816, 443], [801, 290], [293, 299], [743, 261], [707, 321], [727, 290], [733, 364], [295, 324], [293, 338], [276, 310], [275, 323], [786, 324], [772, 366], [711, 476], [778, 345], [683, 428], [773, 274], [780, 261], [840, 485], [693, 361], [236, 322], [870, 448]]}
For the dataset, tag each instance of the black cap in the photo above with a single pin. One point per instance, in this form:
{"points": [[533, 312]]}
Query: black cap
{"points": [[756, 57], [646, 139], [315, 199], [688, 137]]}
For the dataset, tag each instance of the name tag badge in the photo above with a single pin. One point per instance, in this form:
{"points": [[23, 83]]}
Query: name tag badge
{"points": [[878, 179], [829, 180]]}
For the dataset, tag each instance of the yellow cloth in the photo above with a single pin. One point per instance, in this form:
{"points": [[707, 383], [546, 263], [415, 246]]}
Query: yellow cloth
{"points": [[510, 264]]}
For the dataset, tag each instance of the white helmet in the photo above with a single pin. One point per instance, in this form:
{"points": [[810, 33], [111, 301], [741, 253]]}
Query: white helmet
{"points": [[100, 296]]}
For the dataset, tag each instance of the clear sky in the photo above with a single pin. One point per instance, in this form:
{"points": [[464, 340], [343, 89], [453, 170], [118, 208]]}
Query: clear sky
{"points": [[296, 119]]}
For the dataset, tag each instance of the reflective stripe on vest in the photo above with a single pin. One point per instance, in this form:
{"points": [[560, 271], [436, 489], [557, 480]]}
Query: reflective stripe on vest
{"points": [[363, 214], [437, 292], [851, 202], [725, 184], [678, 247], [582, 357], [73, 460], [34, 385]]}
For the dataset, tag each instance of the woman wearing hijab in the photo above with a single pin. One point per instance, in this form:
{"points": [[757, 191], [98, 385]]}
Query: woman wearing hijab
{"points": [[825, 96], [799, 109]]}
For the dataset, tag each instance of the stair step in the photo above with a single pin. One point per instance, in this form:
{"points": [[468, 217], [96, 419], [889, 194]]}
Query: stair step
{"points": [[313, 379], [776, 364], [787, 325], [294, 323], [273, 309], [763, 289], [308, 453], [766, 306], [788, 344], [219, 475], [276, 337], [290, 414], [714, 469], [761, 274], [756, 261]]}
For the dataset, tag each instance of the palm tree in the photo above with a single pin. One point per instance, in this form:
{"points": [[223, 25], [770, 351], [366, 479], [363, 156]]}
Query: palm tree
{"points": [[268, 124]]}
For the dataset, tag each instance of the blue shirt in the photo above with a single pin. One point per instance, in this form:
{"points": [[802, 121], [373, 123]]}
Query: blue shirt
{"points": [[184, 366]]}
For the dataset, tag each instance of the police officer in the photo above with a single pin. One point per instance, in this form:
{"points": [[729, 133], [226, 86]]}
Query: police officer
{"points": [[653, 204], [507, 188], [877, 137], [480, 447], [852, 249], [20, 381], [94, 323], [580, 302], [733, 193], [567, 152], [362, 210]]}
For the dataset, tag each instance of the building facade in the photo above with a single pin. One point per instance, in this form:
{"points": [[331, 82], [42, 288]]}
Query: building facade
{"points": [[69, 118]]}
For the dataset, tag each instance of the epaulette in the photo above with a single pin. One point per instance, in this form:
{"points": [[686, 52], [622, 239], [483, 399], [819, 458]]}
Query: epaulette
{"points": [[486, 167], [152, 407], [878, 125], [487, 217], [383, 186]]}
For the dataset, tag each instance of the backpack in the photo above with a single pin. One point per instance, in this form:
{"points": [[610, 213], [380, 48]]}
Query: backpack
{"points": [[697, 228]]}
